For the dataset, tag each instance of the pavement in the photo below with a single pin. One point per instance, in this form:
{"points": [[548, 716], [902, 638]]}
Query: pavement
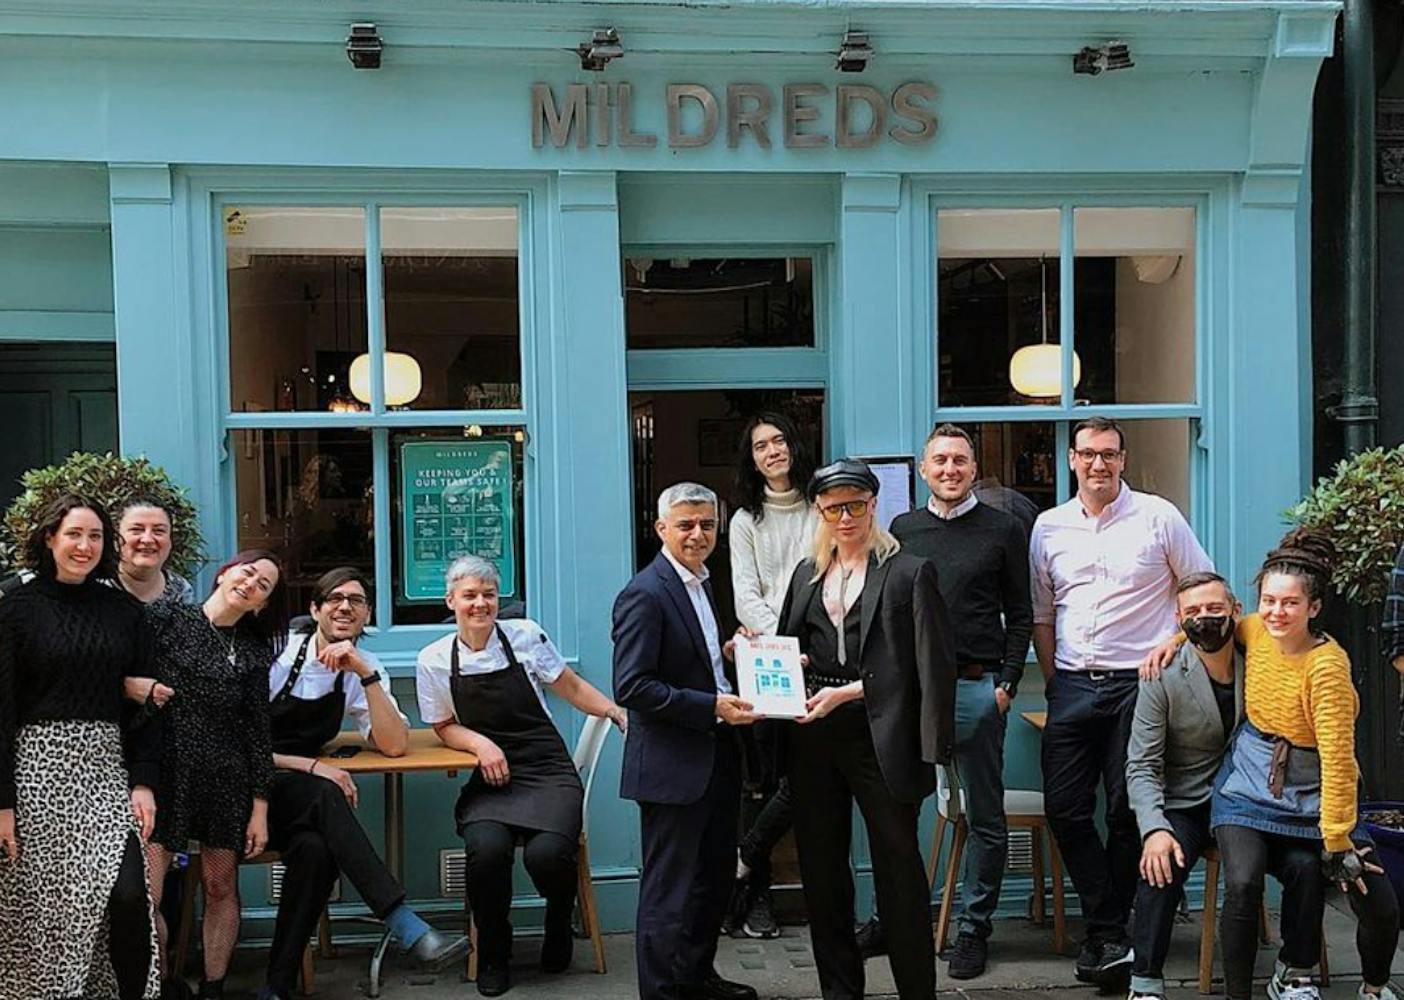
{"points": [[1022, 965]]}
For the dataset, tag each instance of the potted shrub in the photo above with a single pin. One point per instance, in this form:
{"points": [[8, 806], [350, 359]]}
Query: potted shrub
{"points": [[112, 481]]}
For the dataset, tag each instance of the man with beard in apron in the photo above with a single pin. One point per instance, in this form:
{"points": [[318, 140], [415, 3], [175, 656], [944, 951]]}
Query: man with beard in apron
{"points": [[481, 690], [319, 680]]}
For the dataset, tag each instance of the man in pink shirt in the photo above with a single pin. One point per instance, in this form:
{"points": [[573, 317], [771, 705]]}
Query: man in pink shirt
{"points": [[1104, 567]]}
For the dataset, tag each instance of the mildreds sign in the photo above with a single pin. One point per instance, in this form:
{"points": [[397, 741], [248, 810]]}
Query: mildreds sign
{"points": [[602, 114]]}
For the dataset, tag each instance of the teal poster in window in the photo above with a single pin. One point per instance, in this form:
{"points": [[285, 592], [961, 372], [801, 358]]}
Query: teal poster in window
{"points": [[457, 502]]}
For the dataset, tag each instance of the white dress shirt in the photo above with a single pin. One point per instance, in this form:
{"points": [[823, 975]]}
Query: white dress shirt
{"points": [[1107, 582], [964, 507], [693, 582], [317, 680], [434, 669]]}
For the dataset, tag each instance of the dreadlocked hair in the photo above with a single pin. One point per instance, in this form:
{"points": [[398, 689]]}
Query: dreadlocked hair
{"points": [[1307, 553]]}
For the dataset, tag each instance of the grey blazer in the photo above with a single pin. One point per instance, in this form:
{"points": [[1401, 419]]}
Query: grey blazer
{"points": [[1177, 740]]}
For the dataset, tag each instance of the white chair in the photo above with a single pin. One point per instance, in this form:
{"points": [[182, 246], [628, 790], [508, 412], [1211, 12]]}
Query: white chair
{"points": [[586, 758], [1023, 809]]}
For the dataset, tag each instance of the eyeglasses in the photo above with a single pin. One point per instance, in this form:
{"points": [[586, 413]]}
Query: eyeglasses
{"points": [[708, 525], [834, 512], [1087, 456], [355, 601]]}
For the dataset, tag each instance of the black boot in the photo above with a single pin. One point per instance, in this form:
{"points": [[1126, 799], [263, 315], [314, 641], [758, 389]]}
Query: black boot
{"points": [[558, 944], [211, 989]]}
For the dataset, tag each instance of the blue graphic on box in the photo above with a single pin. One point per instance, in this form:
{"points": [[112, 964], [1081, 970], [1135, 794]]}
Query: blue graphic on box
{"points": [[772, 680]]}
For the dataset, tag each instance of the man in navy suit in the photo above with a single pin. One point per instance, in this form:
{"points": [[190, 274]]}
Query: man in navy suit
{"points": [[681, 763]]}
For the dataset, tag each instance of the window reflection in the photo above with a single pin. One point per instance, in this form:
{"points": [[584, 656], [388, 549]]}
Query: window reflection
{"points": [[718, 302]]}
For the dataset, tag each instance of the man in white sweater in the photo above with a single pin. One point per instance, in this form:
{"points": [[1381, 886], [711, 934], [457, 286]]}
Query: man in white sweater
{"points": [[771, 531]]}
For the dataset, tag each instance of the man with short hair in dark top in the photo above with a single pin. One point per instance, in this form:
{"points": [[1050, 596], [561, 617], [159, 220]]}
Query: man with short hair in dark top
{"points": [[982, 556]]}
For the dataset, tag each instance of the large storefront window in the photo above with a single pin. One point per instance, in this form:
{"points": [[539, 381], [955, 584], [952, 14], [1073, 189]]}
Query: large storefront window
{"points": [[377, 420], [1121, 281], [690, 302]]}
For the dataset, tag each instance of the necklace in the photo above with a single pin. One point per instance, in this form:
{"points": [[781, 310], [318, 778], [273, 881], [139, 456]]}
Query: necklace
{"points": [[230, 656]]}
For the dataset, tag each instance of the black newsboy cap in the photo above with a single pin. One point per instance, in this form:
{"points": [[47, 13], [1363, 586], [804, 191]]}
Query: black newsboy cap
{"points": [[844, 472]]}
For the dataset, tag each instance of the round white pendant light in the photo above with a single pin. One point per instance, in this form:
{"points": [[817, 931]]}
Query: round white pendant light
{"points": [[402, 378], [1037, 370]]}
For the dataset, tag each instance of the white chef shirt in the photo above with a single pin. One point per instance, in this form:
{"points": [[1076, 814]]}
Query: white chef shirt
{"points": [[317, 680], [1107, 582], [693, 582], [434, 669]]}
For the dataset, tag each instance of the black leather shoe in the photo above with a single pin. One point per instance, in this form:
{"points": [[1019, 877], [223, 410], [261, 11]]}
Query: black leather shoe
{"points": [[717, 988], [872, 942], [435, 952], [493, 980]]}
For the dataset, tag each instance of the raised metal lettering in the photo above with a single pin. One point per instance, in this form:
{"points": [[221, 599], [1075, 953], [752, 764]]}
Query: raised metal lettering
{"points": [[677, 138]]}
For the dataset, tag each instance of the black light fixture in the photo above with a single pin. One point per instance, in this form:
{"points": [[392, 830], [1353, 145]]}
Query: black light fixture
{"points": [[854, 52], [603, 46], [364, 46], [1095, 58]]}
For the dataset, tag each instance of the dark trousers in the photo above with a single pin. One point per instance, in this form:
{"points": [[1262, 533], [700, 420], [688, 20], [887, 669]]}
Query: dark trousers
{"points": [[1247, 856], [129, 923], [314, 828], [489, 850], [832, 764], [1376, 926], [1084, 744], [1156, 907], [689, 862], [765, 802]]}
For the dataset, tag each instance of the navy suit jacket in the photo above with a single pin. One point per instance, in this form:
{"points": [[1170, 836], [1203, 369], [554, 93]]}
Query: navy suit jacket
{"points": [[663, 676]]}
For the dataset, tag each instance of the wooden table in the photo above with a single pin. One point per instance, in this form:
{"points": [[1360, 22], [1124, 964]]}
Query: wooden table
{"points": [[1036, 719], [425, 754]]}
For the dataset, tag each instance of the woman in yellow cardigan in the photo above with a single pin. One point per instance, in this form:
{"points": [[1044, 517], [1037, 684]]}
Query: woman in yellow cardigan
{"points": [[1285, 799]]}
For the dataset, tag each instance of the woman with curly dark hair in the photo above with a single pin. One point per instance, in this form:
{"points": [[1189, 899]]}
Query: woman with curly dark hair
{"points": [[75, 790], [217, 759]]}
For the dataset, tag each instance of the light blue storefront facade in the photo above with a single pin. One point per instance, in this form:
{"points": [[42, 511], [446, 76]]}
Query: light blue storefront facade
{"points": [[132, 133]]}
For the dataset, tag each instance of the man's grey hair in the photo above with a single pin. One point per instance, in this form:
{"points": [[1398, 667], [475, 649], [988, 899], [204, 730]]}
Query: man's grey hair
{"points": [[684, 493], [471, 568]]}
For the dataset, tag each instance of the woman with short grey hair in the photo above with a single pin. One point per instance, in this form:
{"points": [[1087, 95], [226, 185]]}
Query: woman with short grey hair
{"points": [[481, 688]]}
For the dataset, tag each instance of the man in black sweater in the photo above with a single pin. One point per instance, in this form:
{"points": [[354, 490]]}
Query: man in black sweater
{"points": [[982, 555]]}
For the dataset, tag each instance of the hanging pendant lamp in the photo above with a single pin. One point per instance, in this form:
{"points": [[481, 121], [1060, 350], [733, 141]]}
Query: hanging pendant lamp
{"points": [[1037, 370]]}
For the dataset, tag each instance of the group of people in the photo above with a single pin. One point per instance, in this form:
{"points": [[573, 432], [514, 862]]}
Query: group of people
{"points": [[135, 723], [1201, 726]]}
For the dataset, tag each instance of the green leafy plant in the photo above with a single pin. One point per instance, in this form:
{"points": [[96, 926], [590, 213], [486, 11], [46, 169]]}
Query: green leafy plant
{"points": [[112, 481], [1361, 507]]}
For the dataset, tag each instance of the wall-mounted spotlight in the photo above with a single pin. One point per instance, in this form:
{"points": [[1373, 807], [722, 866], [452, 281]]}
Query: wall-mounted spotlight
{"points": [[1095, 58], [854, 52], [363, 46], [603, 46]]}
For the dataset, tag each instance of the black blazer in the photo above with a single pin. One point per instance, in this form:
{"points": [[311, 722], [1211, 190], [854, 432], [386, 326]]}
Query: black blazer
{"points": [[663, 676], [907, 665]]}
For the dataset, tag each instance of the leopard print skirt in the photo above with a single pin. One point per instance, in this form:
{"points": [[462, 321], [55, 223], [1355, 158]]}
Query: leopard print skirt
{"points": [[72, 819]]}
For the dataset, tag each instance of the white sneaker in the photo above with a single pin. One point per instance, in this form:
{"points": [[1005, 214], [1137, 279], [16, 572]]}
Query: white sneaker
{"points": [[1293, 989], [1385, 993]]}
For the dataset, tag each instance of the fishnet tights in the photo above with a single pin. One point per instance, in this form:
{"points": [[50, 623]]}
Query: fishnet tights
{"points": [[219, 877]]}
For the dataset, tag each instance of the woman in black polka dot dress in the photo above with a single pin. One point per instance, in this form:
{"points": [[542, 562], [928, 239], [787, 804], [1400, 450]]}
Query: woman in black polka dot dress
{"points": [[217, 762]]}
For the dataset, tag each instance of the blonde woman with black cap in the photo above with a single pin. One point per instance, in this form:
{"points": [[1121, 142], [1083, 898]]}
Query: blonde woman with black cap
{"points": [[880, 674]]}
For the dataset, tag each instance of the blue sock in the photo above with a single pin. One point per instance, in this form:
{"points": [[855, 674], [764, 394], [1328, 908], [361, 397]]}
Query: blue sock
{"points": [[407, 926]]}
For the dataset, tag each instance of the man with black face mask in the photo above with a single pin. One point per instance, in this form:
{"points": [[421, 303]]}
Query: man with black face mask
{"points": [[1184, 718]]}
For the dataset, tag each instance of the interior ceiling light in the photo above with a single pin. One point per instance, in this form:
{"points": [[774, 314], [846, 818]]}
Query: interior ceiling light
{"points": [[364, 46], [854, 52], [603, 46], [403, 380], [1109, 56], [1037, 370]]}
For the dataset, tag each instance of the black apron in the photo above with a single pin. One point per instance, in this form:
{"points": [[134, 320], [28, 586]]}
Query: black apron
{"points": [[301, 726], [543, 791]]}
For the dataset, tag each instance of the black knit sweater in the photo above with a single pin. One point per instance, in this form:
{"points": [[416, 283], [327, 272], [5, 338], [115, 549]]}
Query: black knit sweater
{"points": [[64, 650]]}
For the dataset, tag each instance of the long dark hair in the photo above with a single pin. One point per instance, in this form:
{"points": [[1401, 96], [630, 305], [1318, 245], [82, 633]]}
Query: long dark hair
{"points": [[749, 488], [270, 624], [36, 548], [1306, 553]]}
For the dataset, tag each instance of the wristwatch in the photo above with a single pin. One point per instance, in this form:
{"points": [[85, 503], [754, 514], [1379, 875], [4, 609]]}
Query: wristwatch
{"points": [[1008, 688], [371, 678]]}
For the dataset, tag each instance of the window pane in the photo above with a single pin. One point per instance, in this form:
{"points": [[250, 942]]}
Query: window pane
{"points": [[1017, 467], [306, 495], [297, 305], [1135, 304], [452, 324], [1158, 458], [997, 297], [457, 491], [725, 302]]}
